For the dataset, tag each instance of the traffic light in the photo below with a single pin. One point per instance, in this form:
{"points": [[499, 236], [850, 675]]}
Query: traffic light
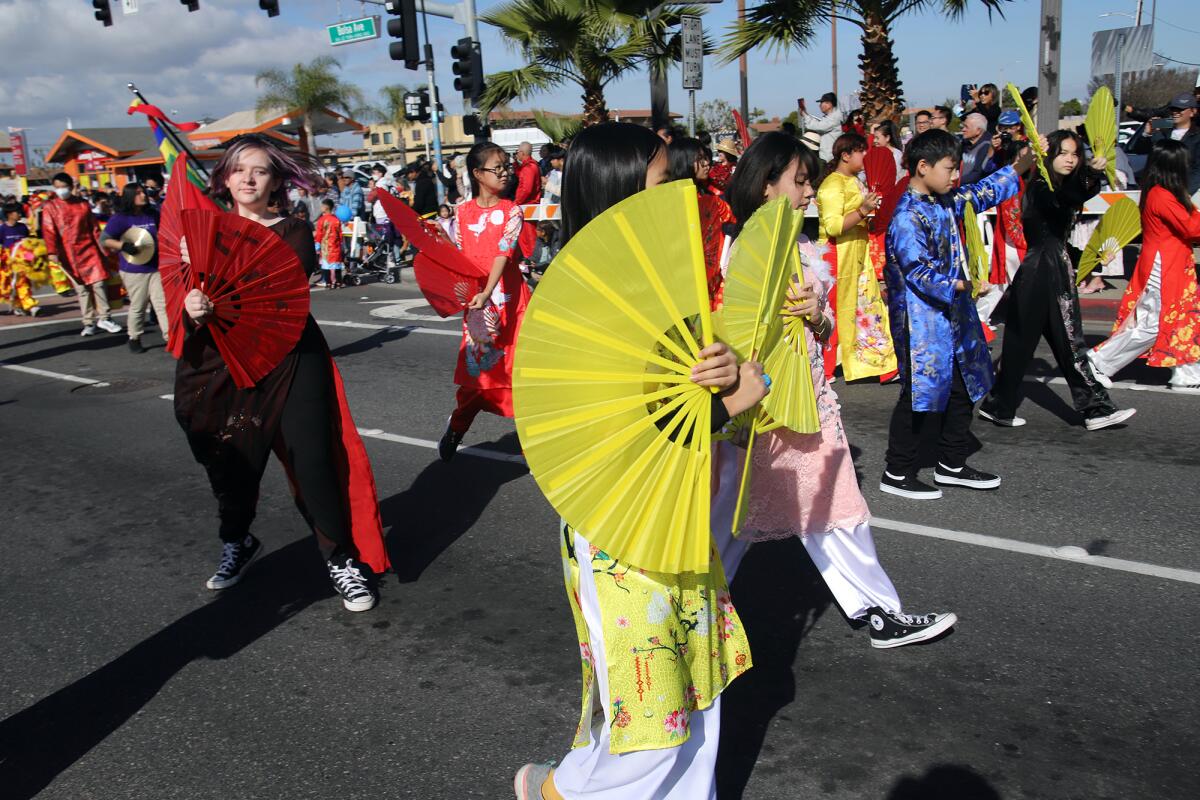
{"points": [[403, 28], [269, 6], [192, 5], [103, 12], [468, 66]]}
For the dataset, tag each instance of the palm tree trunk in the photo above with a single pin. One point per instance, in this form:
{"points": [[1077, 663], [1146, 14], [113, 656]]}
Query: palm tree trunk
{"points": [[595, 109], [882, 95], [309, 142]]}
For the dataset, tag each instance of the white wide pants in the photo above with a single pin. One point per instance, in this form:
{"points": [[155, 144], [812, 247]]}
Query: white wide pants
{"points": [[1138, 334], [686, 772]]}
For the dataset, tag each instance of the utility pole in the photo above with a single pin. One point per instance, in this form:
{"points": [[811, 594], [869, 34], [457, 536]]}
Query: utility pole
{"points": [[833, 32], [435, 114], [1049, 65], [744, 86]]}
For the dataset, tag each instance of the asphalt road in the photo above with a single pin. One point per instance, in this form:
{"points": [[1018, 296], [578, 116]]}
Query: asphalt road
{"points": [[1069, 676]]}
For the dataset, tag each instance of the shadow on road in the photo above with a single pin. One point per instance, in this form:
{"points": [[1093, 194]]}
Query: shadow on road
{"points": [[39, 743], [944, 782], [441, 505], [779, 596], [373, 342], [101, 341]]}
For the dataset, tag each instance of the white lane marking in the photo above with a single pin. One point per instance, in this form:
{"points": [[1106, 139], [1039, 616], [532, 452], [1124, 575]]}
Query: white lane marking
{"points": [[59, 376], [1130, 385], [1068, 553], [481, 452], [392, 328], [74, 320]]}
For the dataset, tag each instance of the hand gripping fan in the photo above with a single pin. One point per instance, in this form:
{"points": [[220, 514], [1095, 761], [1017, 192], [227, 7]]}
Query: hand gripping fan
{"points": [[447, 278], [1119, 226], [1031, 133], [176, 276], [257, 287], [1101, 127], [880, 166], [614, 431], [979, 263]]}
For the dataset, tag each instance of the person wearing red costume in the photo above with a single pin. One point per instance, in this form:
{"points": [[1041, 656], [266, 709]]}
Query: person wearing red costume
{"points": [[73, 241], [298, 409], [529, 192], [487, 228], [1159, 316], [690, 161]]}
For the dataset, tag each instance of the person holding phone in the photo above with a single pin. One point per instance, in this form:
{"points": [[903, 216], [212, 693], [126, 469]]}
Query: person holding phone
{"points": [[1183, 129]]}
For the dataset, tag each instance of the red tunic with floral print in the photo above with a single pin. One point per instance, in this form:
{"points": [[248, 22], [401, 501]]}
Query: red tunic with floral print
{"points": [[714, 213], [1010, 239], [1169, 231]]}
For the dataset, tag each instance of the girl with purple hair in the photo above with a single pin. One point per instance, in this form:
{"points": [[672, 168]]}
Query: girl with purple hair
{"points": [[298, 409]]}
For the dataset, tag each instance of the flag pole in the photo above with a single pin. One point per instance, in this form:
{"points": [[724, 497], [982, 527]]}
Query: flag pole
{"points": [[173, 135]]}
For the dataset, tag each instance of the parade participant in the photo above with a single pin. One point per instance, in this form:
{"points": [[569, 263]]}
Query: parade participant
{"points": [[298, 409], [1159, 316], [862, 339], [15, 287], [1042, 301], [72, 240], [885, 134], [662, 743], [943, 358], [720, 173], [804, 484], [689, 161], [1009, 248], [139, 265], [328, 236], [488, 227]]}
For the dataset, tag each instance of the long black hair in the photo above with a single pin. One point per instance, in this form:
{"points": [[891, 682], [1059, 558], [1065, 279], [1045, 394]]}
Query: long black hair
{"points": [[1054, 147], [684, 153], [1167, 167], [477, 156], [763, 162], [125, 203], [606, 164]]}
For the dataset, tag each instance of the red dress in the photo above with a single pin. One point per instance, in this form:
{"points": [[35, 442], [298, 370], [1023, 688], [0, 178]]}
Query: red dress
{"points": [[1010, 247], [1169, 231], [328, 234], [485, 357], [714, 213], [72, 236]]}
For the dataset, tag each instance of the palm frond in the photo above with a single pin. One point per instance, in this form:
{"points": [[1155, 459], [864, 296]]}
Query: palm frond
{"points": [[513, 84]]}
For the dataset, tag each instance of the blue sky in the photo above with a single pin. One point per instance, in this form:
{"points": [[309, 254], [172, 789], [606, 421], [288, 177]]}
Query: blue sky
{"points": [[203, 64]]}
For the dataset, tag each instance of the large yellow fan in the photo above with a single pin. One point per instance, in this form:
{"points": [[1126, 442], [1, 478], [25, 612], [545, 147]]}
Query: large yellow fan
{"points": [[979, 265], [1119, 226], [616, 434], [1101, 127], [1031, 132]]}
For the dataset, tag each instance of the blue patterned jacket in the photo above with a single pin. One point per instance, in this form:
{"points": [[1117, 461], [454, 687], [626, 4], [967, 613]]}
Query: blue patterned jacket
{"points": [[932, 323]]}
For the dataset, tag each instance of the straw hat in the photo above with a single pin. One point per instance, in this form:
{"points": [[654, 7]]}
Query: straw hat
{"points": [[728, 147], [811, 140]]}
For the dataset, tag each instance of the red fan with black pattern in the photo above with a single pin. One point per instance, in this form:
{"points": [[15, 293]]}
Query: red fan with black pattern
{"points": [[447, 278], [176, 275]]}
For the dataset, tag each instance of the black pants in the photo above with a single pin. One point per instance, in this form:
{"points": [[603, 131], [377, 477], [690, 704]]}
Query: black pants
{"points": [[909, 428], [1037, 309], [307, 430]]}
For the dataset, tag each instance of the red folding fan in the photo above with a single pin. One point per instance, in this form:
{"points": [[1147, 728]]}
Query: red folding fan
{"points": [[447, 278], [887, 207], [880, 166], [176, 275], [257, 287]]}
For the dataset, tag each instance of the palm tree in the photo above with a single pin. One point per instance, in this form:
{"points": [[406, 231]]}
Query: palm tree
{"points": [[586, 42], [780, 25], [307, 89]]}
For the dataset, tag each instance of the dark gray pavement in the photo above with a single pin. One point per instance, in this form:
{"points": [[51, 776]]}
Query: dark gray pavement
{"points": [[124, 678]]}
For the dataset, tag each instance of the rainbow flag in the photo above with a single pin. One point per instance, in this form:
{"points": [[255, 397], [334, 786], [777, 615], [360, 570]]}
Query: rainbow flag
{"points": [[157, 120]]}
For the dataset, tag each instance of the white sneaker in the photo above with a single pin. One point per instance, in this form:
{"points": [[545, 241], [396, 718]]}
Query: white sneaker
{"points": [[1101, 378], [1115, 418], [33, 312], [1015, 422], [1184, 388], [88, 330], [108, 325]]}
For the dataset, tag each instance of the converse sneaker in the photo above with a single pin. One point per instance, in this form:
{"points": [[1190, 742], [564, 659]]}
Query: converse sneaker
{"points": [[88, 330], [448, 445], [235, 557], [1101, 378], [528, 783], [351, 584], [893, 629], [1115, 418], [108, 325], [965, 476], [1014, 422], [909, 486]]}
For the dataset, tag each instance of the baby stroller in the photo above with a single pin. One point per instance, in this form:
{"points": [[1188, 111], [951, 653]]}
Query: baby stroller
{"points": [[372, 260]]}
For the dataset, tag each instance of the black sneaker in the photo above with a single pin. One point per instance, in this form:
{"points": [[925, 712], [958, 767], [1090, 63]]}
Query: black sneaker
{"points": [[965, 476], [448, 445], [351, 583], [235, 557], [909, 486], [135, 345], [890, 629]]}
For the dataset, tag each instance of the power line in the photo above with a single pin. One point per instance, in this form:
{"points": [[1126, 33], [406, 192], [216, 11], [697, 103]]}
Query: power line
{"points": [[1175, 60]]}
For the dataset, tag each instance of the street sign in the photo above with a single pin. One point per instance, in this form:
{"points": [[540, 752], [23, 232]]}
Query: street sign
{"points": [[129, 7], [692, 32], [92, 160], [16, 140], [355, 30], [1130, 48]]}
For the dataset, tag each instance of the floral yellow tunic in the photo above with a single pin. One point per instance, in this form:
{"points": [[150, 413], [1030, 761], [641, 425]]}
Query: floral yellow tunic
{"points": [[863, 338], [672, 643]]}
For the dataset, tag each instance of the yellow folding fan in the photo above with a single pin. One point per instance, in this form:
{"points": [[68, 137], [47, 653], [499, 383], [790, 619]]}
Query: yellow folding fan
{"points": [[1031, 132], [979, 265], [1119, 226], [1101, 127], [616, 434]]}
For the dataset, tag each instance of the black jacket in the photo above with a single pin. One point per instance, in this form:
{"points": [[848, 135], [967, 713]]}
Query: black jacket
{"points": [[1191, 140]]}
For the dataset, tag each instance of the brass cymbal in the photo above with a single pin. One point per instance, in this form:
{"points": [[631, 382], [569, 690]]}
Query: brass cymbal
{"points": [[143, 241]]}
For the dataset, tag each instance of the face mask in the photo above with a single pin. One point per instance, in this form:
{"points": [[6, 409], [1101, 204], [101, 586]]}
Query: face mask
{"points": [[62, 192]]}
